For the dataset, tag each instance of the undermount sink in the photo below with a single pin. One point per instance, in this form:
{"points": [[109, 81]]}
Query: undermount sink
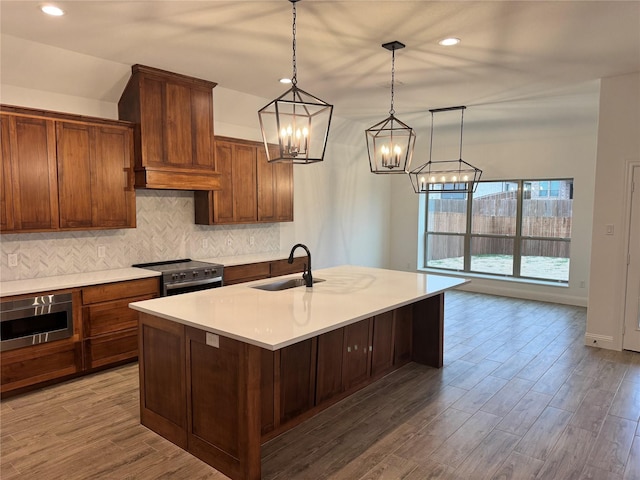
{"points": [[285, 284]]}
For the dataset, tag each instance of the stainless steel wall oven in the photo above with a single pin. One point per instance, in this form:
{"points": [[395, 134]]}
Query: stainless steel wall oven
{"points": [[35, 320]]}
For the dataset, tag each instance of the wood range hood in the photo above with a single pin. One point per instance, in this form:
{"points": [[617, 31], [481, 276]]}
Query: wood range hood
{"points": [[173, 117]]}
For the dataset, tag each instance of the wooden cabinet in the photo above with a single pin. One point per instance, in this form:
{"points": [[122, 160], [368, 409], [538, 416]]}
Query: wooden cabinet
{"points": [[329, 370], [402, 340], [356, 366], [65, 172], [251, 189], [29, 183], [110, 327], [44, 363], [297, 379], [234, 274], [173, 114], [382, 342], [95, 176], [275, 189]]}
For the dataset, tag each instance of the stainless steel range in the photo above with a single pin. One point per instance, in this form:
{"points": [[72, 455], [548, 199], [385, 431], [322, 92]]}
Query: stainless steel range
{"points": [[185, 275]]}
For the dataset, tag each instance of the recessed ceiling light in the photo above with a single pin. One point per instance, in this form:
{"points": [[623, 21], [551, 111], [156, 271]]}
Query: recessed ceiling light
{"points": [[52, 10], [285, 80], [448, 42]]}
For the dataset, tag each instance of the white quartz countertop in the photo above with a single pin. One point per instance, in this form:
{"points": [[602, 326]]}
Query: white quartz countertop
{"points": [[276, 319], [59, 282], [252, 258]]}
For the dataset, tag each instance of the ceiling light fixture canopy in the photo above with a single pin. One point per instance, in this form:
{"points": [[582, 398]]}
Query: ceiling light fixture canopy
{"points": [[295, 126], [445, 176], [390, 142]]}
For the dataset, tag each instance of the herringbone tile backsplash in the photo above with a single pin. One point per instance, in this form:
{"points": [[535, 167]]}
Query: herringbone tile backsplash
{"points": [[165, 230]]}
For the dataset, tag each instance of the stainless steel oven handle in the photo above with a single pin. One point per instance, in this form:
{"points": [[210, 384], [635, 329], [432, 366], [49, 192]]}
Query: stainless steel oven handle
{"points": [[173, 286]]}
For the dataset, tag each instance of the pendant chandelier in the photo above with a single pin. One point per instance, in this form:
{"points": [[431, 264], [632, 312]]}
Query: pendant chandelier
{"points": [[295, 126], [445, 176], [390, 143]]}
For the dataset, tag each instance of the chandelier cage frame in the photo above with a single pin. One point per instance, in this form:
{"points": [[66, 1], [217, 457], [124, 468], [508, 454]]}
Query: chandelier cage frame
{"points": [[390, 143], [445, 176], [295, 126]]}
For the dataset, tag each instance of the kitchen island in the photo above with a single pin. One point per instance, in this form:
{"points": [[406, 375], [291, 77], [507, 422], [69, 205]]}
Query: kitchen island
{"points": [[224, 370]]}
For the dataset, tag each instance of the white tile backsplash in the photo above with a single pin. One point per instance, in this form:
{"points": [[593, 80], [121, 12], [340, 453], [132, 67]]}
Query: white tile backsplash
{"points": [[165, 230]]}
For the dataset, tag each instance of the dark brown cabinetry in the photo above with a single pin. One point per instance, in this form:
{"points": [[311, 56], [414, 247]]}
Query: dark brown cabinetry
{"points": [[29, 187], [173, 114], [94, 176], [356, 366], [110, 327], [235, 274], [251, 191], [65, 172]]}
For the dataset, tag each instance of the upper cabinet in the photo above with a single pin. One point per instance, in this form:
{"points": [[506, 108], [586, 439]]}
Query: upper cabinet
{"points": [[65, 172], [173, 114], [252, 190]]}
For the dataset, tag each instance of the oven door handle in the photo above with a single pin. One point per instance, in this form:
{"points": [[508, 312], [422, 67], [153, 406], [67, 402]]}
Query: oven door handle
{"points": [[204, 281]]}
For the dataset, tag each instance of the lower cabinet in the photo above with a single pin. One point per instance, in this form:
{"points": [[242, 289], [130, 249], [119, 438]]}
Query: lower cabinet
{"points": [[110, 327], [105, 333]]}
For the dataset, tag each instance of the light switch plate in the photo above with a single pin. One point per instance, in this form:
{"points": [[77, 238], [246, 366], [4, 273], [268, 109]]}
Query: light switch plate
{"points": [[12, 259], [609, 229]]}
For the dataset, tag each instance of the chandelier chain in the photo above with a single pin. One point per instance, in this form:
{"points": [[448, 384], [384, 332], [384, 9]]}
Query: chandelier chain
{"points": [[393, 74], [294, 79]]}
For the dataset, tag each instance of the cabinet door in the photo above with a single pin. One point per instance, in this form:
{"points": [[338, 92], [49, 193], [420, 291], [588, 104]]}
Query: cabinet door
{"points": [[202, 115], [6, 198], [283, 180], [382, 352], [329, 371], [95, 180], [244, 183], [356, 357], [266, 186], [151, 122], [297, 379], [112, 195], [74, 174], [178, 128], [223, 198], [403, 318], [31, 153]]}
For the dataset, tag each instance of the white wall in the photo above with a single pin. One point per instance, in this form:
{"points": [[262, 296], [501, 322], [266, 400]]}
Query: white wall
{"points": [[618, 144], [341, 211], [542, 138]]}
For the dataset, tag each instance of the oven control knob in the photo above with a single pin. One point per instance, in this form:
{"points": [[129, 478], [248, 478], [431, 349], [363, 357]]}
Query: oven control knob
{"points": [[195, 274], [183, 275], [207, 272], [174, 276]]}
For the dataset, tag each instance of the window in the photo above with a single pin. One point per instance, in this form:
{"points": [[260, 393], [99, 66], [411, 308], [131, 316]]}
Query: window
{"points": [[519, 228]]}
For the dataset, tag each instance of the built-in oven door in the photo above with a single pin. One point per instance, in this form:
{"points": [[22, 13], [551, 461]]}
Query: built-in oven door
{"points": [[177, 288], [34, 320]]}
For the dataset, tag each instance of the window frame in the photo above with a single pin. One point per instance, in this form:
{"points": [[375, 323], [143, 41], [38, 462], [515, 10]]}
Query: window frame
{"points": [[518, 238]]}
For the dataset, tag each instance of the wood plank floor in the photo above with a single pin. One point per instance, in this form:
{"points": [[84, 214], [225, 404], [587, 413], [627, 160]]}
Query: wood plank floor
{"points": [[520, 397]]}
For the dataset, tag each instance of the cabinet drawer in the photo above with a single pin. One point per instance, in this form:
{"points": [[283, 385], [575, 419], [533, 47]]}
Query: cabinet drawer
{"points": [[119, 290], [110, 317], [282, 267], [107, 349], [245, 273], [31, 365]]}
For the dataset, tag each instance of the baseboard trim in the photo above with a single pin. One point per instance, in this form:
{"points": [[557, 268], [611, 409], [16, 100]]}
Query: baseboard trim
{"points": [[527, 294], [602, 341]]}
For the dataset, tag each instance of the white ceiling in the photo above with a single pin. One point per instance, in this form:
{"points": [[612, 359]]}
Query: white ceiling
{"points": [[510, 51]]}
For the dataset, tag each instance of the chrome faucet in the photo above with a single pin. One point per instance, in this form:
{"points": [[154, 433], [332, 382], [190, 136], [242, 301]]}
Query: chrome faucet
{"points": [[306, 275]]}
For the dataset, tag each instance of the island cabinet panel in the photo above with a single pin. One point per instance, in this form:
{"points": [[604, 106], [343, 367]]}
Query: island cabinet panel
{"points": [[163, 388], [269, 417], [383, 344], [223, 387], [29, 170], [427, 325], [356, 354], [329, 373], [297, 379], [402, 341]]}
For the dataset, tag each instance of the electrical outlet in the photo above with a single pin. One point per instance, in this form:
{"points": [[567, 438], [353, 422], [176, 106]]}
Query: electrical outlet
{"points": [[229, 242], [102, 251], [12, 259], [582, 284], [252, 240], [609, 229], [205, 243]]}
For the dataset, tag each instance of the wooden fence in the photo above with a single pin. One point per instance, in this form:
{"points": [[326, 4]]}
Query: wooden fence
{"points": [[496, 215]]}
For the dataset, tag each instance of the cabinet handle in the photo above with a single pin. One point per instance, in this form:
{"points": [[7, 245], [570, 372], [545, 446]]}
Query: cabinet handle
{"points": [[371, 348], [355, 347], [349, 349]]}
